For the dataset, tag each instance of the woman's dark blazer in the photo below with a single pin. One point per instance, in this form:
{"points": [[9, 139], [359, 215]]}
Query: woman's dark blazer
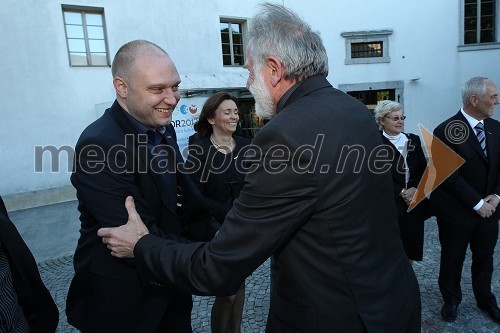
{"points": [[218, 188], [38, 306], [416, 162]]}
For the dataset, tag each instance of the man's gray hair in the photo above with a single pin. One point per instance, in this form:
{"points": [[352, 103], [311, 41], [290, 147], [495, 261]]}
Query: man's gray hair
{"points": [[474, 86], [279, 32], [128, 53]]}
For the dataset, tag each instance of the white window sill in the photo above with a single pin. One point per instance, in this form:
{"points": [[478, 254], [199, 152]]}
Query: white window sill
{"points": [[479, 46]]}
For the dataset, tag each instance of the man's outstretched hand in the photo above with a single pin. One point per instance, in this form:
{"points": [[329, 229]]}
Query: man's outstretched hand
{"points": [[121, 240]]}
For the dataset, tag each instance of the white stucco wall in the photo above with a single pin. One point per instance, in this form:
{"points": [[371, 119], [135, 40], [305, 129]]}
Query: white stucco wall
{"points": [[47, 102]]}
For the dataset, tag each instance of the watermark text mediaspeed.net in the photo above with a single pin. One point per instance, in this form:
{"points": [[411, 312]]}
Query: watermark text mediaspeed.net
{"points": [[134, 156]]}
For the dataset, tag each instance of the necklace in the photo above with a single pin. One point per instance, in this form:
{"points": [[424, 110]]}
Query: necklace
{"points": [[222, 148]]}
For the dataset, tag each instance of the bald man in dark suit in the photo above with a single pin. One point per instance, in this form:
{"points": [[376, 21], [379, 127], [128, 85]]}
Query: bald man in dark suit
{"points": [[132, 150]]}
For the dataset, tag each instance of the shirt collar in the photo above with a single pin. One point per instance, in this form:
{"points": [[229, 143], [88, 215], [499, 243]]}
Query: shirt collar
{"points": [[141, 128], [286, 95], [471, 120]]}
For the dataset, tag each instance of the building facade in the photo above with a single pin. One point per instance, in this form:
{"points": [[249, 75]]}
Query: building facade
{"points": [[56, 58]]}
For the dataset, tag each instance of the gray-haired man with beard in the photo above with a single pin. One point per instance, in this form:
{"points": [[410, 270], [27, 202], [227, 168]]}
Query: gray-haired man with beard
{"points": [[314, 200]]}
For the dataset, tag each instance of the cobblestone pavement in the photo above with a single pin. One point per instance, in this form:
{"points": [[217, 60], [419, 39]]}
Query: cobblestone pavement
{"points": [[57, 274]]}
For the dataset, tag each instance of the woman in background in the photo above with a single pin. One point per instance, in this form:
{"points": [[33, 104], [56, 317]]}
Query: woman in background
{"points": [[220, 183], [408, 165]]}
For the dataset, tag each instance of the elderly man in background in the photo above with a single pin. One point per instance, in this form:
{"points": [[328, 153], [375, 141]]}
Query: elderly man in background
{"points": [[466, 202]]}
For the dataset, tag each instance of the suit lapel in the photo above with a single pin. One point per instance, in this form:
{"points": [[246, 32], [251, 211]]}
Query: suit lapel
{"points": [[472, 138], [143, 154], [489, 141]]}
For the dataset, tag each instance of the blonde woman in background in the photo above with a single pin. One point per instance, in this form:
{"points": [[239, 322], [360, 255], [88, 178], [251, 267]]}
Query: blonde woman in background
{"points": [[408, 165]]}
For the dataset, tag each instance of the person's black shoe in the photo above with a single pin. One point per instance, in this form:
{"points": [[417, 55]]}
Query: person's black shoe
{"points": [[493, 311], [449, 312]]}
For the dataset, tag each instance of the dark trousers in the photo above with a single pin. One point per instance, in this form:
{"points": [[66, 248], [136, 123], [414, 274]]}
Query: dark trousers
{"points": [[178, 315], [482, 238]]}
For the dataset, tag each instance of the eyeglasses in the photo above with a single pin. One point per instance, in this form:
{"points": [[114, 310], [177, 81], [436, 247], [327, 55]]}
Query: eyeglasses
{"points": [[396, 118]]}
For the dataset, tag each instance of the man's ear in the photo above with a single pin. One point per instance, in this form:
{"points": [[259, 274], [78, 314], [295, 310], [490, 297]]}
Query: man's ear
{"points": [[473, 100], [120, 86], [277, 71]]}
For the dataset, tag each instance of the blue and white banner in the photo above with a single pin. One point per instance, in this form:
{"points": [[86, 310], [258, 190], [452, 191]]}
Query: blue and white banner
{"points": [[185, 115]]}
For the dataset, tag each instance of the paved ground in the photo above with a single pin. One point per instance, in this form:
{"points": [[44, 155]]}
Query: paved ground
{"points": [[51, 233]]}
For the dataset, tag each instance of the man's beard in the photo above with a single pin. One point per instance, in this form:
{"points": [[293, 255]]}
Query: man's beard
{"points": [[264, 105]]}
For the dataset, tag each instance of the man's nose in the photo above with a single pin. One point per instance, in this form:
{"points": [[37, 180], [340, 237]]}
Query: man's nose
{"points": [[170, 97]]}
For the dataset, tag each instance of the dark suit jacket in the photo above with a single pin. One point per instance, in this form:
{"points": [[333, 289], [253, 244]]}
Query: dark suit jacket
{"points": [[38, 306], [313, 201], [112, 162], [479, 176], [416, 163]]}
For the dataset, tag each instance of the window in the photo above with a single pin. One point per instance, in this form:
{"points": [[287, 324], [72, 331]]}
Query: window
{"points": [[366, 50], [373, 92], [479, 21], [85, 36], [370, 98], [232, 35], [367, 47], [479, 25]]}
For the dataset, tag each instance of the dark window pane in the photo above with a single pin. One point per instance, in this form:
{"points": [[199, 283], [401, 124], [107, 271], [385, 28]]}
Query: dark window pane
{"points": [[487, 36], [78, 59], [470, 37], [237, 39], [471, 24], [487, 8], [237, 49], [470, 10], [486, 22], [73, 18], [225, 37], [470, 1], [366, 50], [226, 49], [238, 60], [226, 60]]}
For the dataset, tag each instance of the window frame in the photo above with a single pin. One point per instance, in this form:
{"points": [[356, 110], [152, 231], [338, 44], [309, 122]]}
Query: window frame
{"points": [[244, 33], [478, 46], [397, 86], [82, 10], [355, 37]]}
